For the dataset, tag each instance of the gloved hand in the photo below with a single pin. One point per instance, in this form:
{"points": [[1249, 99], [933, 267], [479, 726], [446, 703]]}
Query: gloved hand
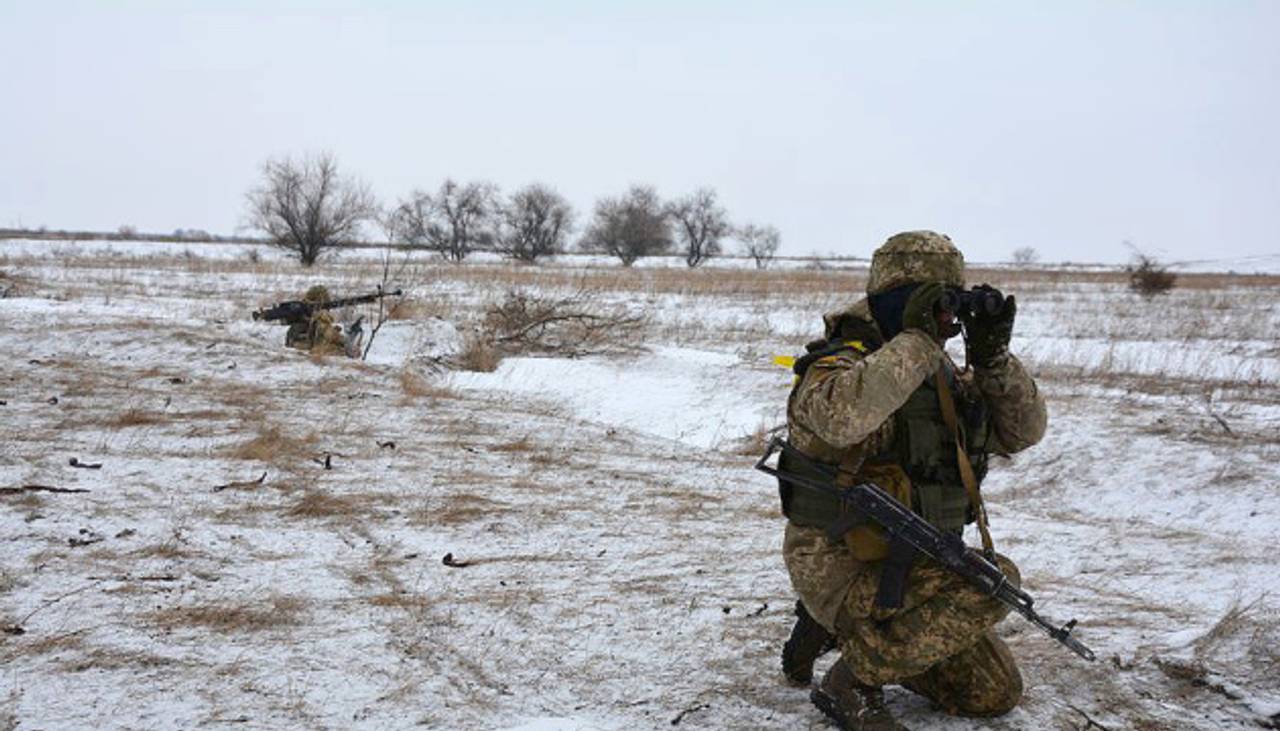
{"points": [[988, 335], [918, 313]]}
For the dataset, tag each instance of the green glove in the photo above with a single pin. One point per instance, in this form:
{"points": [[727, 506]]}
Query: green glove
{"points": [[918, 314], [988, 335]]}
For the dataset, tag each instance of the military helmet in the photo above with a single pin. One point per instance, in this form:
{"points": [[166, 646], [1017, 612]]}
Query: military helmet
{"points": [[318, 294], [914, 257]]}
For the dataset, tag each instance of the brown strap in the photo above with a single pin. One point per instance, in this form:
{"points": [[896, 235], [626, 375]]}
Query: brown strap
{"points": [[967, 476]]}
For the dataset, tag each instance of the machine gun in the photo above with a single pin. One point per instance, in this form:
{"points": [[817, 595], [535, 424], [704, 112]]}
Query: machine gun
{"points": [[299, 311], [868, 502]]}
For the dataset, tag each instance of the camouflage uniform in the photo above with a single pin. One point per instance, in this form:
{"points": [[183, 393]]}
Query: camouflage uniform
{"points": [[939, 643], [320, 333]]}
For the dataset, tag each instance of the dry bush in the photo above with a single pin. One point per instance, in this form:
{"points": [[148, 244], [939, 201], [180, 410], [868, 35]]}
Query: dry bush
{"points": [[276, 612], [1148, 277], [575, 325]]}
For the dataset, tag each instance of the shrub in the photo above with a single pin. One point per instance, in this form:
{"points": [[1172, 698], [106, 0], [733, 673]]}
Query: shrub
{"points": [[1148, 277]]}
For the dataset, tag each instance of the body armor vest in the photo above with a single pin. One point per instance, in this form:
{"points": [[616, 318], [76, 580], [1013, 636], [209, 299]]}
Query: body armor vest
{"points": [[923, 448]]}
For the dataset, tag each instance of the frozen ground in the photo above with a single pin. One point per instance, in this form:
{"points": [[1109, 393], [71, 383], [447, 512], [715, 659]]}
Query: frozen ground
{"points": [[615, 558]]}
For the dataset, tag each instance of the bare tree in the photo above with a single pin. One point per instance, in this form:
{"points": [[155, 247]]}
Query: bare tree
{"points": [[306, 206], [535, 223], [455, 221], [631, 226], [700, 224], [1025, 255], [759, 242]]}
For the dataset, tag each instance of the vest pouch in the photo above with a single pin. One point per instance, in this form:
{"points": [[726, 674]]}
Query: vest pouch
{"points": [[929, 448], [868, 542], [944, 506]]}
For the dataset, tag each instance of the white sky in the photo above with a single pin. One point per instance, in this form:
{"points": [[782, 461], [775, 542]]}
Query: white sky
{"points": [[1068, 127]]}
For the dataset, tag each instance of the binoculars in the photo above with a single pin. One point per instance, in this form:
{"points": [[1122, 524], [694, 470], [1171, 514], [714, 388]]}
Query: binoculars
{"points": [[981, 301]]}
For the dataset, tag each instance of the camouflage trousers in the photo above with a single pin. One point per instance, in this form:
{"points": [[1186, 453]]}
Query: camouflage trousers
{"points": [[939, 644]]}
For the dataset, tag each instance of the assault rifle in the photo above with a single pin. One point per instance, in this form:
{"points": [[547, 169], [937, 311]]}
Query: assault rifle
{"points": [[868, 502], [298, 311]]}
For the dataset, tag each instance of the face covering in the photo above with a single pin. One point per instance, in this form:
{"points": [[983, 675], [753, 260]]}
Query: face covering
{"points": [[887, 307]]}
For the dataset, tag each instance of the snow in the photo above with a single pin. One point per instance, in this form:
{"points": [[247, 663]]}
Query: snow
{"points": [[682, 394], [624, 557]]}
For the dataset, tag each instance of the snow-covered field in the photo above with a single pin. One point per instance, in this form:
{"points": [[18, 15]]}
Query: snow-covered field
{"points": [[615, 558]]}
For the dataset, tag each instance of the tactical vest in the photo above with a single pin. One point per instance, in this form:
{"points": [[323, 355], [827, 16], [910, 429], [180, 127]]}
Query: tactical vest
{"points": [[925, 449], [922, 447]]}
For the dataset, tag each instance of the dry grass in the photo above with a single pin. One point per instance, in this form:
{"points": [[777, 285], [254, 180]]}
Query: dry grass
{"points": [[401, 600], [416, 387], [136, 417], [754, 443], [34, 645], [478, 354], [1232, 623], [456, 510], [523, 444], [108, 658], [172, 549], [410, 309], [278, 611], [319, 504], [273, 446]]}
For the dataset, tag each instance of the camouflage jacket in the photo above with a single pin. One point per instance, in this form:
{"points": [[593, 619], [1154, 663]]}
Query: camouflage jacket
{"points": [[319, 334], [845, 401]]}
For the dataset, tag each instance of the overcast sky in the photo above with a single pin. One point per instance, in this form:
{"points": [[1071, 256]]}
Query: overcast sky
{"points": [[1067, 127]]}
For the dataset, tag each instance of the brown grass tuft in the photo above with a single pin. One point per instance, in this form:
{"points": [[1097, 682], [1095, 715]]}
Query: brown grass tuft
{"points": [[272, 445], [478, 354], [523, 444], [318, 504], [276, 612], [754, 443], [136, 417], [456, 509], [400, 600], [415, 386], [1232, 622], [407, 309]]}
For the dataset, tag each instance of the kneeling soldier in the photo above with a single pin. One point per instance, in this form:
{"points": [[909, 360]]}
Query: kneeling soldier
{"points": [[880, 401]]}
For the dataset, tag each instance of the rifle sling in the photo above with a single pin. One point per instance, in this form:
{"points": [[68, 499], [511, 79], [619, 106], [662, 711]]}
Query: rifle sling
{"points": [[967, 475]]}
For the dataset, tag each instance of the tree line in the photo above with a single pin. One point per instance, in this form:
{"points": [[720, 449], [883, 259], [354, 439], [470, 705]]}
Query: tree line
{"points": [[307, 207]]}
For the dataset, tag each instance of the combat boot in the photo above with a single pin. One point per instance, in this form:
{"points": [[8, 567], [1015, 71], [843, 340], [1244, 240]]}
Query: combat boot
{"points": [[808, 642], [851, 705]]}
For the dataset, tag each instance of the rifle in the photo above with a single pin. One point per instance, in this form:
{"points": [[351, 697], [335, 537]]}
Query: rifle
{"points": [[868, 502], [299, 311]]}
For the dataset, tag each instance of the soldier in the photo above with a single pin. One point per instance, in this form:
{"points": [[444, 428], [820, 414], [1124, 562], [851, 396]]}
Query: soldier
{"points": [[880, 401], [319, 333]]}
